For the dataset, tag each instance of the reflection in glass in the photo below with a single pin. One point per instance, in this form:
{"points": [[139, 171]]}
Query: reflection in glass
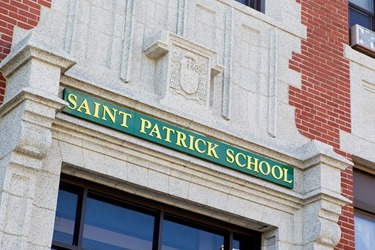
{"points": [[243, 1], [236, 245], [242, 243], [182, 237], [365, 4], [356, 17], [65, 217], [111, 227], [364, 232]]}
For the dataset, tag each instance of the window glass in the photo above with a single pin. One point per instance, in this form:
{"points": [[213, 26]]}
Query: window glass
{"points": [[363, 182], [364, 232], [65, 217], [243, 243], [112, 227], [365, 4], [255, 4], [88, 219], [236, 245], [356, 17], [177, 236], [246, 2]]}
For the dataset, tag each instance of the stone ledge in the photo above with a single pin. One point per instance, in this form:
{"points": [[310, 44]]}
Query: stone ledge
{"points": [[316, 152], [359, 147], [33, 46], [42, 97], [358, 57]]}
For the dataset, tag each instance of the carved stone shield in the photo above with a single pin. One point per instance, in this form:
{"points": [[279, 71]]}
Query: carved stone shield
{"points": [[189, 75]]}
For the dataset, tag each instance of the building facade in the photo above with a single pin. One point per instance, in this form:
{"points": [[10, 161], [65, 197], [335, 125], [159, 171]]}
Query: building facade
{"points": [[187, 124]]}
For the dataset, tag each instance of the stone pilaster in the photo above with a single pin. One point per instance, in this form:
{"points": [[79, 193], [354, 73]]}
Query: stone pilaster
{"points": [[27, 206], [322, 195]]}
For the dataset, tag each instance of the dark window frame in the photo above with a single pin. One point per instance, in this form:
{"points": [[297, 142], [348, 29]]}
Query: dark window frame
{"points": [[255, 4], [361, 207], [364, 214], [364, 12], [86, 189]]}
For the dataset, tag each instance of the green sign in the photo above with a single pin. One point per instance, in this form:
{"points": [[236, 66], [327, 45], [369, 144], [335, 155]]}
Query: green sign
{"points": [[145, 127]]}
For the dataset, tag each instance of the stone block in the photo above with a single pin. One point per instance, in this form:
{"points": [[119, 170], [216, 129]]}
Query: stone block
{"points": [[46, 190], [158, 181], [137, 175], [42, 222], [178, 187], [17, 217]]}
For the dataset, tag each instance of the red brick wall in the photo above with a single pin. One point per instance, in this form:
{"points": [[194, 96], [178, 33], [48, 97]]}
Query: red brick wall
{"points": [[323, 102], [21, 13]]}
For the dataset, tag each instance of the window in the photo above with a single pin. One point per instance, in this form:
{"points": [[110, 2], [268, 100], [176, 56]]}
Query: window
{"points": [[364, 225], [255, 4], [362, 12], [364, 215], [90, 216]]}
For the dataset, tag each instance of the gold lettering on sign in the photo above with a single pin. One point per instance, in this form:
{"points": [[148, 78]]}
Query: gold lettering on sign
{"points": [[178, 138], [107, 112], [96, 109], [72, 99], [180, 141], [84, 105], [241, 160], [211, 149], [199, 149], [252, 162], [145, 124], [168, 133], [286, 176], [125, 117], [279, 170]]}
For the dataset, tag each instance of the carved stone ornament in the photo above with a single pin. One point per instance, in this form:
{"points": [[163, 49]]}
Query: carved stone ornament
{"points": [[189, 75], [188, 69]]}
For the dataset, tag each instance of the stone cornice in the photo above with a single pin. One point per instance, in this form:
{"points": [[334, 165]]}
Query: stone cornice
{"points": [[32, 94], [315, 152], [33, 46]]}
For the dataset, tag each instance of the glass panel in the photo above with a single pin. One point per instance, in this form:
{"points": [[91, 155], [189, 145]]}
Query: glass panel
{"points": [[65, 217], [241, 242], [111, 227], [182, 237], [356, 17], [243, 1], [362, 183], [364, 232], [365, 4]]}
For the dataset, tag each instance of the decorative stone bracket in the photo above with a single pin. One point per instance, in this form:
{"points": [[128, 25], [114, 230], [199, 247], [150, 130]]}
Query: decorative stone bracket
{"points": [[184, 69], [33, 71]]}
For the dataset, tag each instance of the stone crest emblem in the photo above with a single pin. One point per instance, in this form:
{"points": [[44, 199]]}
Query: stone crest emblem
{"points": [[189, 75]]}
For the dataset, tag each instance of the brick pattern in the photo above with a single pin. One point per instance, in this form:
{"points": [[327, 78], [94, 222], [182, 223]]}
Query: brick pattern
{"points": [[323, 102], [21, 13], [346, 220]]}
